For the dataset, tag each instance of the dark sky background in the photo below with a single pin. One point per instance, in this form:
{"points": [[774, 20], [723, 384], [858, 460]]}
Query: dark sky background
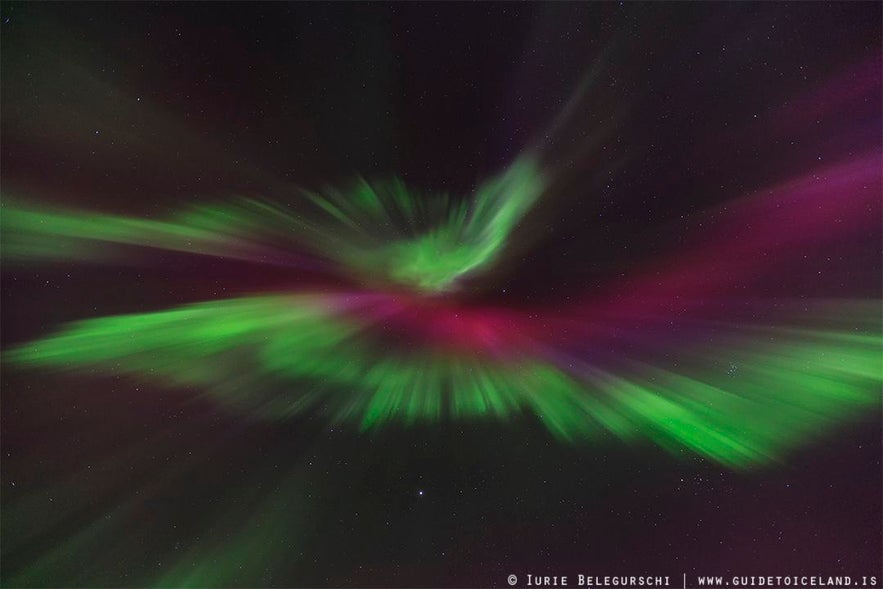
{"points": [[139, 108]]}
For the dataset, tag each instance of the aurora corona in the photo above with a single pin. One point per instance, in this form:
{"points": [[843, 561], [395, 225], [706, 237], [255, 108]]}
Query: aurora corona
{"points": [[403, 342]]}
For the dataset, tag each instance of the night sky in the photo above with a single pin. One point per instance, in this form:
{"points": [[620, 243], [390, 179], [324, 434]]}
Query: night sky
{"points": [[650, 345]]}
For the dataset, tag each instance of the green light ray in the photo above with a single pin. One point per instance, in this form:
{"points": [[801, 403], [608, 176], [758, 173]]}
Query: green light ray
{"points": [[279, 356], [382, 233]]}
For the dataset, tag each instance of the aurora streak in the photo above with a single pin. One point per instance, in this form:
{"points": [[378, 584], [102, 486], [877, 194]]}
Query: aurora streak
{"points": [[371, 356]]}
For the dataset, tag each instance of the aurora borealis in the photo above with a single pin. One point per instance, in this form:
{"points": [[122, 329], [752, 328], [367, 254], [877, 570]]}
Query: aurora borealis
{"points": [[425, 243], [356, 302]]}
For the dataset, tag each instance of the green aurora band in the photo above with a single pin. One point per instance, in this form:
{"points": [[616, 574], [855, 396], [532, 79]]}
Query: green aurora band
{"points": [[283, 355], [377, 233]]}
